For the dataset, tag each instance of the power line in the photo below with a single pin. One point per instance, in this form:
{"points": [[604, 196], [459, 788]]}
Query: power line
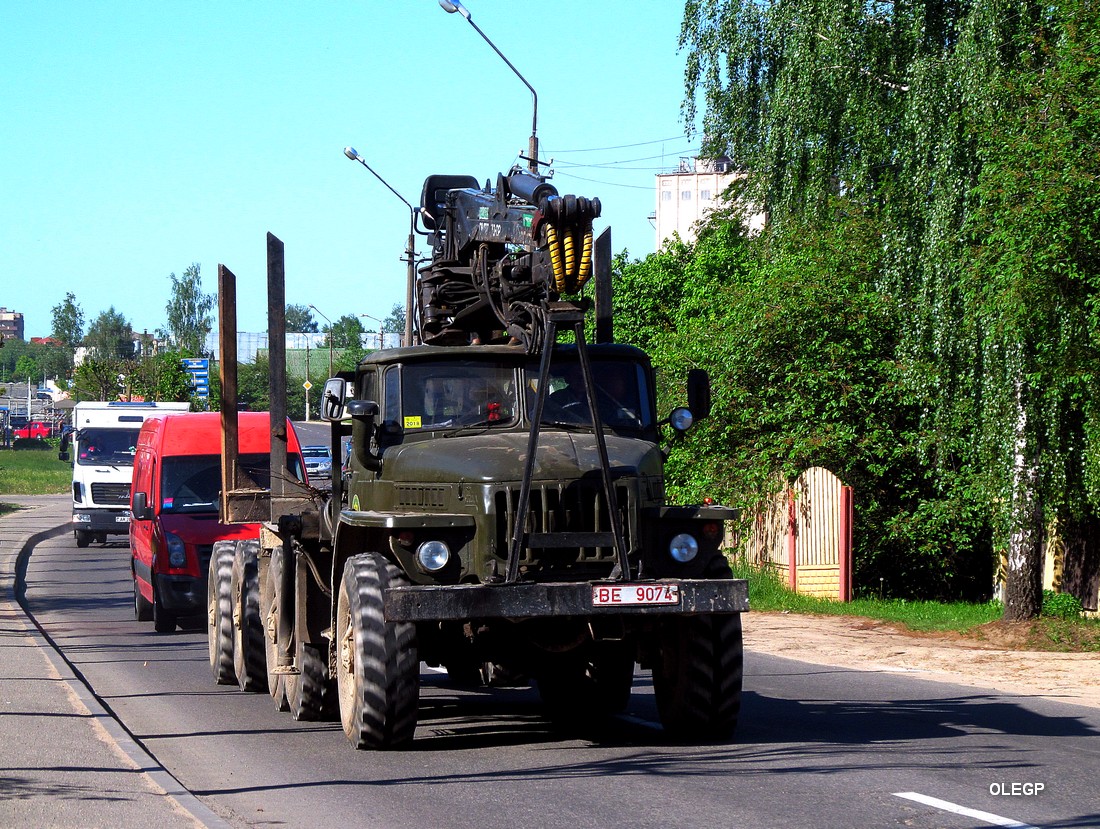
{"points": [[608, 183], [620, 146]]}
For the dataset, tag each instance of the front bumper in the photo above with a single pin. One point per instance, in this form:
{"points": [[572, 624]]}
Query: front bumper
{"points": [[529, 601], [181, 595], [109, 521]]}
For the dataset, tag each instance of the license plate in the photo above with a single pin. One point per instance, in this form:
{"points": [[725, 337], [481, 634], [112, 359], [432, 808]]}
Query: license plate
{"points": [[122, 519], [613, 595]]}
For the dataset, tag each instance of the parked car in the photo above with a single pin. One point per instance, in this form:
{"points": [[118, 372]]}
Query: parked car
{"points": [[318, 464], [33, 429]]}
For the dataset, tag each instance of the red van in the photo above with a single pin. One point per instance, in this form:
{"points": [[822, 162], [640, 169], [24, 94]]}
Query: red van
{"points": [[175, 496]]}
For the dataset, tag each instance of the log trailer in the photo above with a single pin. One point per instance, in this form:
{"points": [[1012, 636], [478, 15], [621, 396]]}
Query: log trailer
{"points": [[502, 512]]}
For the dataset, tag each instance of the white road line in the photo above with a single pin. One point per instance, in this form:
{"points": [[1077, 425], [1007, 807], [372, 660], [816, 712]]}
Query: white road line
{"points": [[988, 817]]}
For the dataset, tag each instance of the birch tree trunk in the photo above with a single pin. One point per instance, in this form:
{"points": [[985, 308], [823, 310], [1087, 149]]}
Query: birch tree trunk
{"points": [[1024, 577]]}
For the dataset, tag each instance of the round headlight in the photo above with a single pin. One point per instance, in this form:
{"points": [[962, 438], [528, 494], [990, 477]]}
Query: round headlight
{"points": [[683, 548], [177, 554], [681, 419], [433, 555]]}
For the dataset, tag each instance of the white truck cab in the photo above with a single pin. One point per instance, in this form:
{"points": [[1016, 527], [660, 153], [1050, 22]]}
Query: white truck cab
{"points": [[104, 439]]}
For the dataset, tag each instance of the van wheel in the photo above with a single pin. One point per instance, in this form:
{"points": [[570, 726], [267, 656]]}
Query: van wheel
{"points": [[163, 621], [249, 655], [219, 612], [269, 608], [83, 539], [143, 608], [377, 668]]}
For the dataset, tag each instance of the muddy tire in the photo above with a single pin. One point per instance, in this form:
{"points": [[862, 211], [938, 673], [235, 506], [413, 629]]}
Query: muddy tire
{"points": [[697, 676], [378, 670], [219, 612], [143, 608], [269, 610], [308, 693], [249, 653]]}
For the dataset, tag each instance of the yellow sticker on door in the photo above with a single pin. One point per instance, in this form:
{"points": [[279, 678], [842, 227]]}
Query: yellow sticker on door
{"points": [[412, 422]]}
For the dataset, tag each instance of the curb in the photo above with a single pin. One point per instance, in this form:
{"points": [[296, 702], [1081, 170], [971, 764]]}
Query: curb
{"points": [[99, 710]]}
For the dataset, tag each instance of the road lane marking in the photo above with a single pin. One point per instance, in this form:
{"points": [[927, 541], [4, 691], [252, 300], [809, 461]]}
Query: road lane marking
{"points": [[947, 806]]}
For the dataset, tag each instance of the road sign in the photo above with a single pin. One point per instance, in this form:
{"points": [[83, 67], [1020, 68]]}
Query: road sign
{"points": [[307, 385]]}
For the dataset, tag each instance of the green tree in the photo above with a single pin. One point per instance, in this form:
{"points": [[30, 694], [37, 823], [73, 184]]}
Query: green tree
{"points": [[395, 322], [346, 332], [893, 106], [96, 379], [300, 320], [110, 336], [160, 377], [189, 311], [68, 322], [27, 368]]}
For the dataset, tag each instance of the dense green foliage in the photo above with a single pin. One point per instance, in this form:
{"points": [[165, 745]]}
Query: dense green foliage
{"points": [[950, 151], [189, 311]]}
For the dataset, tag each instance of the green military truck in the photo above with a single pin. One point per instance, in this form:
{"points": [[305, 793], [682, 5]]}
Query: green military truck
{"points": [[502, 512]]}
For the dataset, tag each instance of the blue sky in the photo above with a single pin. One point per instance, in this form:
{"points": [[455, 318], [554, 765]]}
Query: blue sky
{"points": [[142, 137]]}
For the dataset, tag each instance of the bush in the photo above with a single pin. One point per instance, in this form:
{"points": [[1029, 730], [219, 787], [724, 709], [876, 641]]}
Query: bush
{"points": [[30, 443], [1062, 605]]}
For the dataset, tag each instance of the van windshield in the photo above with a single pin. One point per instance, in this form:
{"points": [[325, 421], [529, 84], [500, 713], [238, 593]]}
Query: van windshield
{"points": [[192, 483], [106, 446]]}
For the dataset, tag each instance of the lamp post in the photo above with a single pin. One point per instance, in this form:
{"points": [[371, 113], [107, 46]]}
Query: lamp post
{"points": [[410, 247], [326, 319], [532, 158], [381, 331]]}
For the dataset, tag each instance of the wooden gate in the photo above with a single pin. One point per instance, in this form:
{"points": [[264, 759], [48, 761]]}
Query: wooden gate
{"points": [[805, 534]]}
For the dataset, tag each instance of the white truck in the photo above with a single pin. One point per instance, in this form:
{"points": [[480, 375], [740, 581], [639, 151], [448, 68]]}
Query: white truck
{"points": [[104, 437]]}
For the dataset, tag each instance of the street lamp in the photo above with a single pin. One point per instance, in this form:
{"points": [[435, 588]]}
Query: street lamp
{"points": [[326, 319], [410, 247], [532, 158], [381, 331]]}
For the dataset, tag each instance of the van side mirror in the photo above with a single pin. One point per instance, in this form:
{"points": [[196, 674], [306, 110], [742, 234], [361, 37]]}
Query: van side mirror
{"points": [[140, 507], [333, 398], [698, 388]]}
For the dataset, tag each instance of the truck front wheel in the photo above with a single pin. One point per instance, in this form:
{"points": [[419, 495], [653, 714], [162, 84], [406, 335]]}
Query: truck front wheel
{"points": [[697, 676], [163, 620], [83, 539], [219, 612], [377, 667]]}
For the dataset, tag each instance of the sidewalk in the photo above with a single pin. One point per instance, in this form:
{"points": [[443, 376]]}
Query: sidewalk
{"points": [[64, 761]]}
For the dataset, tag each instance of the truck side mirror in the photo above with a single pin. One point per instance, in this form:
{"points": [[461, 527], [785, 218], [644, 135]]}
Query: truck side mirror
{"points": [[140, 507], [333, 398], [699, 393]]}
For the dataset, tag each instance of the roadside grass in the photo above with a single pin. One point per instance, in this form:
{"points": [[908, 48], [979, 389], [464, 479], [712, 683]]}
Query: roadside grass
{"points": [[1055, 630], [34, 471]]}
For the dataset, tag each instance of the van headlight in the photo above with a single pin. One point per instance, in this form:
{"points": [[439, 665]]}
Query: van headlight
{"points": [[683, 548], [433, 555], [177, 553]]}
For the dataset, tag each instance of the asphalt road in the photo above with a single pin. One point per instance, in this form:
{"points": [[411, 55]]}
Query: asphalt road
{"points": [[816, 747]]}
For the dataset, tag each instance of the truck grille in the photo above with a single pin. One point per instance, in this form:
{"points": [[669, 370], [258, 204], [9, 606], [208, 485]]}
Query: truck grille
{"points": [[204, 551], [114, 494], [565, 508], [421, 497]]}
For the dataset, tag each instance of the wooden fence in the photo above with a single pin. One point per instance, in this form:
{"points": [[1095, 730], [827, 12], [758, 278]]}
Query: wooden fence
{"points": [[805, 534]]}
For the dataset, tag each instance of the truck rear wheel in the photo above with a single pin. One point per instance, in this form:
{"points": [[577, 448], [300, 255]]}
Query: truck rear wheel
{"points": [[269, 608], [377, 667], [697, 675], [249, 653], [219, 612], [307, 692]]}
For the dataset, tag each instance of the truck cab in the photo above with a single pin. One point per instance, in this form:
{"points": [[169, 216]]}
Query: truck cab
{"points": [[103, 442]]}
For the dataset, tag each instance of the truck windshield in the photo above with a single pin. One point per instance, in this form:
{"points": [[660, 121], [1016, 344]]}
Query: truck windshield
{"points": [[455, 394], [106, 446], [622, 395], [192, 483]]}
